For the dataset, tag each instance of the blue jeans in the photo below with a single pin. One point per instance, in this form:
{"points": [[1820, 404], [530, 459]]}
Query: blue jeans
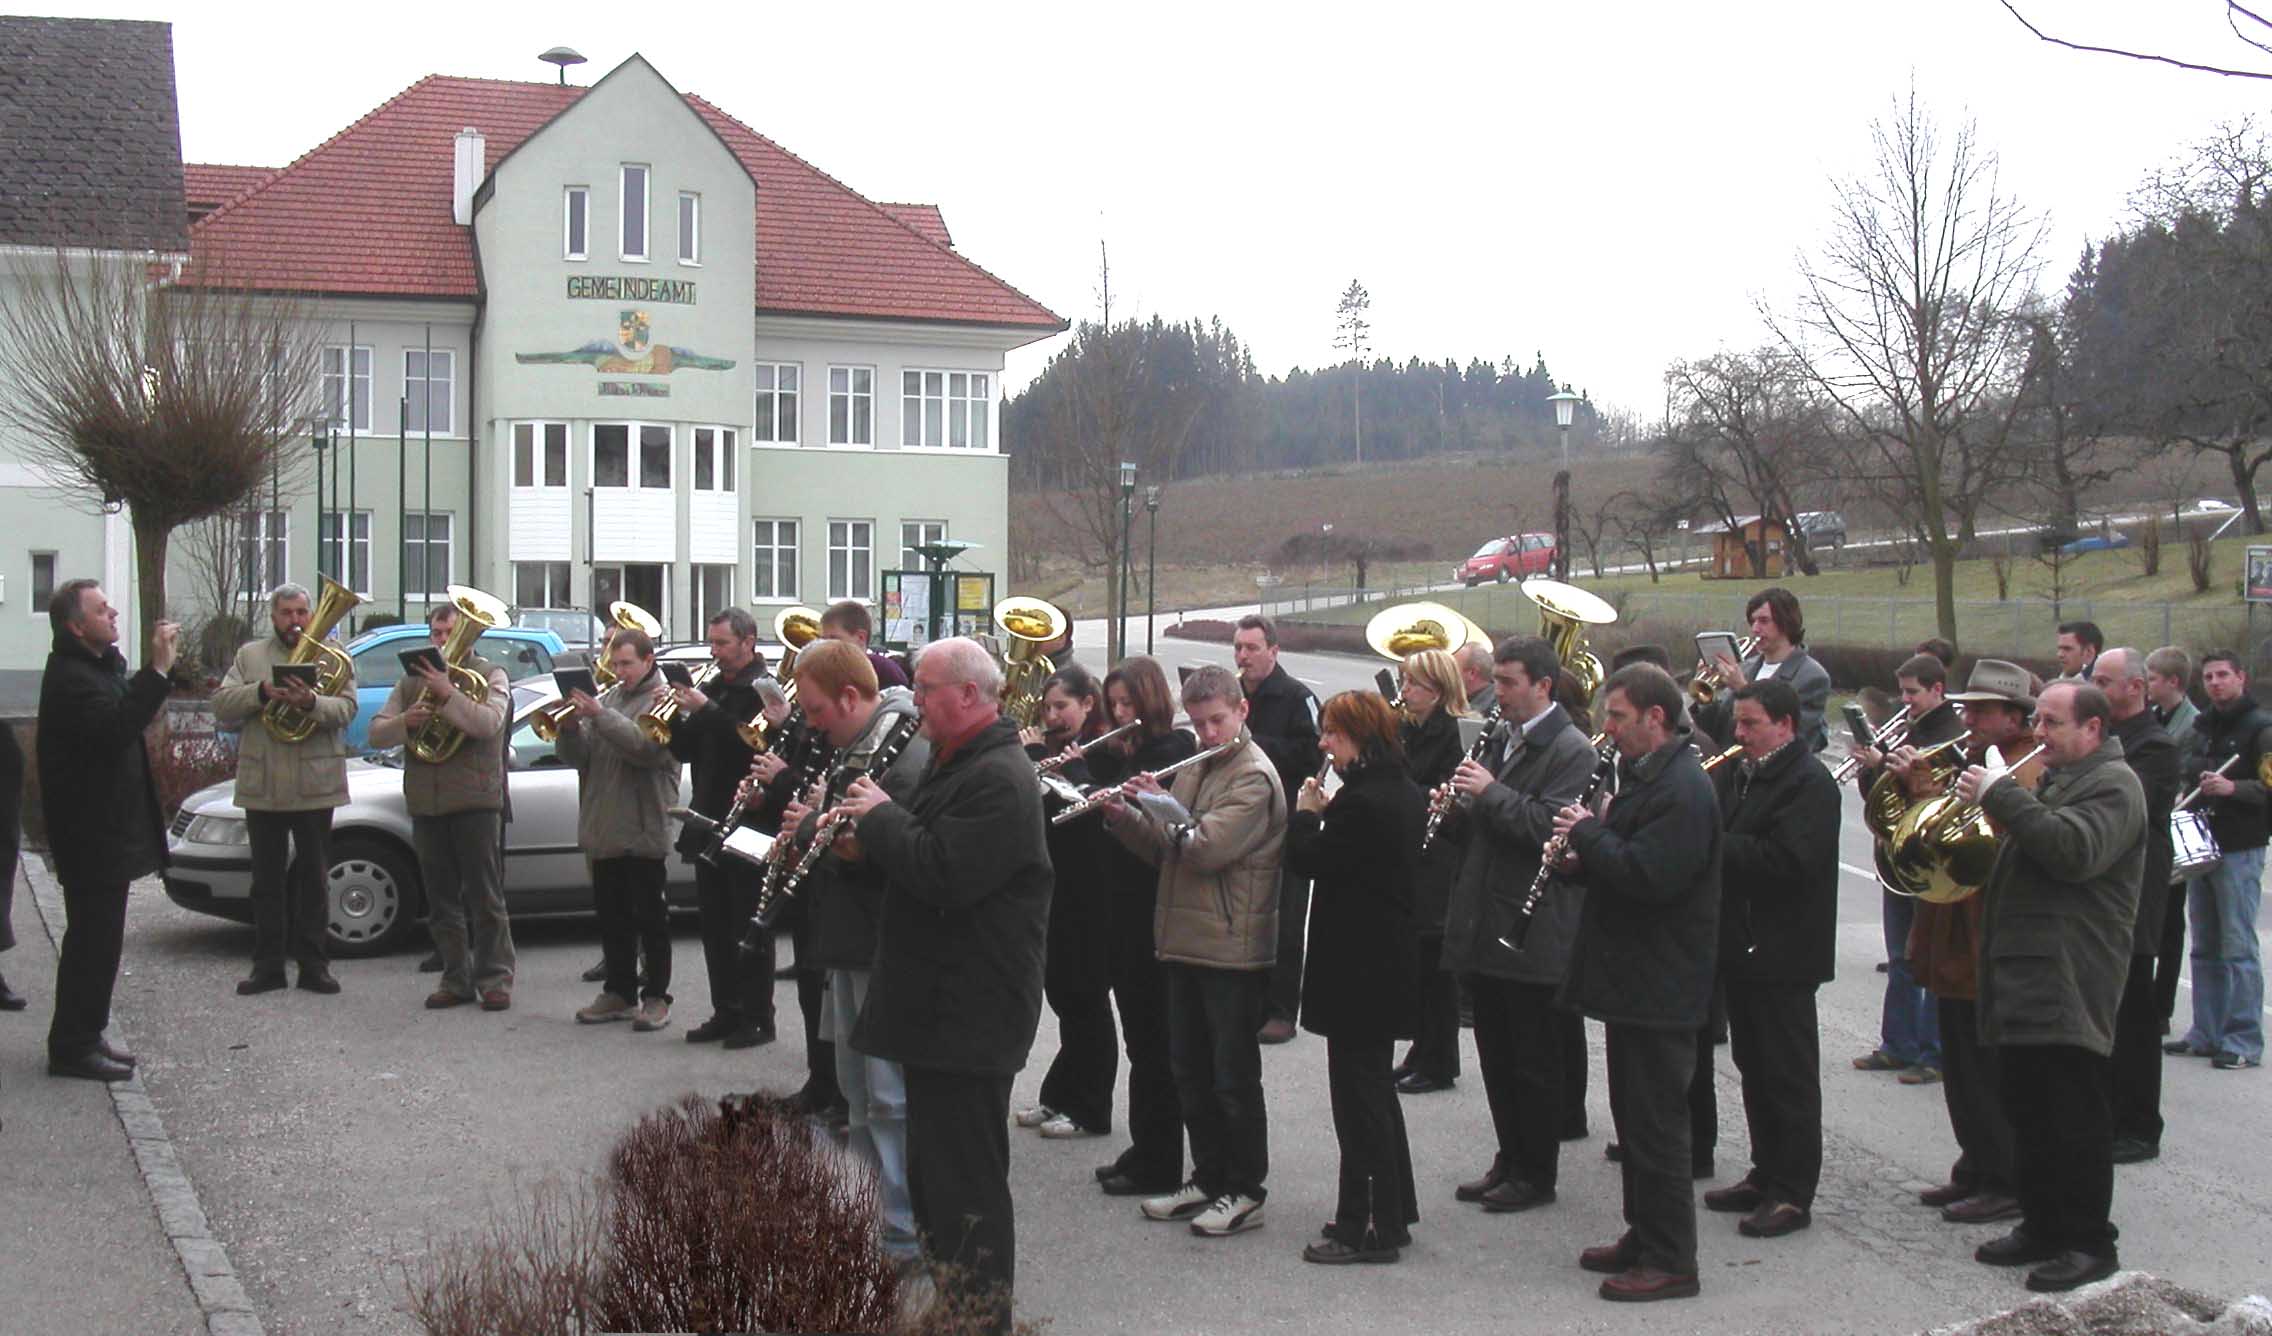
{"points": [[875, 1093], [1909, 1028], [2228, 978]]}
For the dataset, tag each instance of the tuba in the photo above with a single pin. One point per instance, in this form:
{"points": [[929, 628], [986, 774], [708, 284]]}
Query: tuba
{"points": [[288, 723], [1028, 625], [1945, 847], [1564, 613], [545, 721], [1407, 628], [437, 740]]}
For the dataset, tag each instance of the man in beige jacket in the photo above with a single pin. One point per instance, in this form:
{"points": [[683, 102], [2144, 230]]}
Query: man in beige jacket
{"points": [[629, 783], [288, 791], [1216, 926], [457, 809]]}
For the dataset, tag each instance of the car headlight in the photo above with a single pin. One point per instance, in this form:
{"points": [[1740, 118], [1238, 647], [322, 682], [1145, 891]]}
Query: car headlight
{"points": [[217, 830]]}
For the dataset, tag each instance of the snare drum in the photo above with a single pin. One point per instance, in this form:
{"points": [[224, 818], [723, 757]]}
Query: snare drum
{"points": [[2194, 851]]}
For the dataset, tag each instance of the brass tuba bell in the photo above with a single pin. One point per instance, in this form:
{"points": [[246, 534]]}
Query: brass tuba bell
{"points": [[437, 740], [334, 600], [1564, 613], [1029, 626], [1945, 847], [1407, 628]]}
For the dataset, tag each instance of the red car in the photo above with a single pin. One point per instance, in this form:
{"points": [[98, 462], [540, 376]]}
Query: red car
{"points": [[1509, 558]]}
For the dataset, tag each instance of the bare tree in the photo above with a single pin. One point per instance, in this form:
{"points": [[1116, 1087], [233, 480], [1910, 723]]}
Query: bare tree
{"points": [[2258, 28], [1747, 431], [1352, 331], [1329, 547], [1903, 320], [135, 389]]}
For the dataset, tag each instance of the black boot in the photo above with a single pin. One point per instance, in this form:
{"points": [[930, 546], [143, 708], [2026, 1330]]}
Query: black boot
{"points": [[10, 999]]}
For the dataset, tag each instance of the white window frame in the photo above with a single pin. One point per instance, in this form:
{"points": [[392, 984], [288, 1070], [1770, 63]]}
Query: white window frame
{"points": [[277, 547], [646, 217], [575, 200], [564, 569], [852, 397], [538, 429], [689, 255], [704, 609], [421, 546], [359, 520], [720, 447], [336, 403], [794, 397], [975, 408], [448, 358], [631, 470], [767, 559], [852, 587], [36, 599], [909, 558]]}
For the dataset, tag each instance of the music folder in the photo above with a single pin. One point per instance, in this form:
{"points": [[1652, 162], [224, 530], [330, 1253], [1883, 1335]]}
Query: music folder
{"points": [[576, 679], [285, 673], [424, 656]]}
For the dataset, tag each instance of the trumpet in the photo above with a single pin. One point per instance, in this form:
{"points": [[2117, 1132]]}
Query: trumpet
{"points": [[1049, 764], [656, 720], [1095, 797], [545, 721], [1893, 734], [1704, 683]]}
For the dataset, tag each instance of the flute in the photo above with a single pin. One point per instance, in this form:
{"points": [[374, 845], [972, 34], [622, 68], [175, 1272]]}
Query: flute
{"points": [[1095, 797], [1048, 763]]}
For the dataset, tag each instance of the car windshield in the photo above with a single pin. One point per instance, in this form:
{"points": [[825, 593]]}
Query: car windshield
{"points": [[1491, 549], [575, 628], [380, 665]]}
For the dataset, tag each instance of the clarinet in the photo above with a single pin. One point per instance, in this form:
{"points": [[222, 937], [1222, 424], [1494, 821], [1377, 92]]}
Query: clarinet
{"points": [[1444, 797], [774, 898], [1606, 765]]}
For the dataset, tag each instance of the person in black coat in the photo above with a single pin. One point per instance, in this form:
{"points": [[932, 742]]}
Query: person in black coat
{"points": [[1281, 716], [1362, 989], [1642, 964], [2152, 756], [956, 996], [1778, 941], [104, 828], [1434, 699], [797, 755], [1076, 1093], [11, 837], [1137, 692]]}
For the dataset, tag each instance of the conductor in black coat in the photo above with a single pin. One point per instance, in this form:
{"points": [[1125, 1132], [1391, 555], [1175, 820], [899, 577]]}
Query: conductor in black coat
{"points": [[1778, 941], [1281, 716], [2152, 756], [1362, 989]]}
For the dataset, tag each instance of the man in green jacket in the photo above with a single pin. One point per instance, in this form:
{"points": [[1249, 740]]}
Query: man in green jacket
{"points": [[2056, 926], [288, 790]]}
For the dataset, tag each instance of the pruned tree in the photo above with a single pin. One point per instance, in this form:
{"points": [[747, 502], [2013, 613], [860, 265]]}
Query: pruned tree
{"points": [[1328, 547], [1903, 322], [134, 389], [1747, 430]]}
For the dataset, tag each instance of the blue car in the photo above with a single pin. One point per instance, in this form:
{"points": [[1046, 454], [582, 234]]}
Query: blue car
{"points": [[2104, 541], [522, 651]]}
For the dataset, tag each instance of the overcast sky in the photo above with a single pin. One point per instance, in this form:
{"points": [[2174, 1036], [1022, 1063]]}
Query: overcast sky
{"points": [[1611, 184]]}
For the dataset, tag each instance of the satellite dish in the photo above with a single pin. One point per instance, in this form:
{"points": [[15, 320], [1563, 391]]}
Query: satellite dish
{"points": [[562, 56]]}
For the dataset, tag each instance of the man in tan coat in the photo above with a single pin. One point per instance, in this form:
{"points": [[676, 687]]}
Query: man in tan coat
{"points": [[629, 783], [456, 820], [288, 791], [1217, 929]]}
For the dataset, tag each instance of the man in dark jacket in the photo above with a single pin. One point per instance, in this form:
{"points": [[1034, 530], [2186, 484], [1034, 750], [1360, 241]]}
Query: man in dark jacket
{"points": [[957, 989], [1281, 713], [2148, 751], [103, 822], [2056, 938], [1536, 764], [705, 736], [1642, 964], [1778, 941], [2228, 977]]}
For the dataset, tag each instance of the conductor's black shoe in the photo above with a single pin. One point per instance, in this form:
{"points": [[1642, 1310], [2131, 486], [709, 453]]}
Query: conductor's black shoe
{"points": [[1515, 1195], [2135, 1150], [10, 999], [2073, 1269], [749, 1036], [319, 981], [432, 964], [1417, 1083], [260, 983], [1333, 1252], [89, 1066], [710, 1031], [2015, 1249], [596, 973], [1117, 1184]]}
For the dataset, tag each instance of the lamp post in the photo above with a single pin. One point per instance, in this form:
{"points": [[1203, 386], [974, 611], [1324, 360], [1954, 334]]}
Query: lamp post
{"points": [[322, 444], [1127, 523], [1151, 563], [1565, 406]]}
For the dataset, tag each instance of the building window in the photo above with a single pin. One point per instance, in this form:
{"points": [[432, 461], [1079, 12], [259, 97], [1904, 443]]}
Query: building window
{"points": [[713, 459], [776, 418], [915, 533], [428, 389], [654, 456], [634, 212], [851, 405], [347, 395], [43, 582], [945, 409], [689, 228], [776, 576], [713, 593], [576, 223], [264, 549], [358, 564], [851, 559], [612, 459], [541, 584], [540, 454], [426, 552]]}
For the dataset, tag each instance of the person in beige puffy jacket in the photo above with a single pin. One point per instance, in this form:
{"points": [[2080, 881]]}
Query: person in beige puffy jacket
{"points": [[288, 791]]}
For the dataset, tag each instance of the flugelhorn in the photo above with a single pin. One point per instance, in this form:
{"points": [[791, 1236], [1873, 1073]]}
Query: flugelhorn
{"points": [[1892, 734], [545, 720], [1704, 684]]}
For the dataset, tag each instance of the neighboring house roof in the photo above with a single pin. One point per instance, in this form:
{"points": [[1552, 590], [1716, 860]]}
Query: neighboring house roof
{"points": [[367, 212], [924, 218], [206, 186], [90, 135]]}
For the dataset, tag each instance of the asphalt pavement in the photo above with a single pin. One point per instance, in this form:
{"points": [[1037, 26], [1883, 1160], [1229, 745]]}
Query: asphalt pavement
{"points": [[335, 1141]]}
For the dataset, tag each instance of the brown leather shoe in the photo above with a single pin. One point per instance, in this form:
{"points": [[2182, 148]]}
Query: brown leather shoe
{"points": [[442, 999], [1774, 1219], [1735, 1199], [1981, 1208], [1492, 1177], [1612, 1258], [1946, 1194], [1276, 1030], [1515, 1195], [1645, 1284], [496, 999]]}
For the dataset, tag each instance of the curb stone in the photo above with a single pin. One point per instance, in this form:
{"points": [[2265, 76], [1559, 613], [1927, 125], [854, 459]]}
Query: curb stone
{"points": [[227, 1309]]}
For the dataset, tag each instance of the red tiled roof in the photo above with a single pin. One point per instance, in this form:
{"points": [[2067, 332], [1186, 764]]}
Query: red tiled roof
{"points": [[206, 186], [367, 212], [924, 218]]}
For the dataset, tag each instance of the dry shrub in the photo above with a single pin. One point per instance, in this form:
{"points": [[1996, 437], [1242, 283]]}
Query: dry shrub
{"points": [[533, 1270], [182, 765]]}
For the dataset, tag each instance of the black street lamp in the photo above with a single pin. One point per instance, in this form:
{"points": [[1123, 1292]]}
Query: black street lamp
{"points": [[1151, 563], [322, 443], [1119, 649]]}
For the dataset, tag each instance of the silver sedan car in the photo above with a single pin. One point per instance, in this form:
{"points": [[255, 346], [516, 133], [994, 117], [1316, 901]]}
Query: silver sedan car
{"points": [[376, 899]]}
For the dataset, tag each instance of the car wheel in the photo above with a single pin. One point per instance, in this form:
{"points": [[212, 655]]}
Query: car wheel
{"points": [[372, 896], [1468, 582], [1502, 575]]}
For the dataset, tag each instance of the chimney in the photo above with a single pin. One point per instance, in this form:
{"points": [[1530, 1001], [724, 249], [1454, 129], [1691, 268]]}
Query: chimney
{"points": [[469, 159]]}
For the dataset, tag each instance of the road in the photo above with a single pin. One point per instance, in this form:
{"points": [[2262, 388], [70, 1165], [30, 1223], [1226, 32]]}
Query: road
{"points": [[337, 1140]]}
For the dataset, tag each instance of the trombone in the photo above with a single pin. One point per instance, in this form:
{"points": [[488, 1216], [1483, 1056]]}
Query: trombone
{"points": [[1894, 732]]}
